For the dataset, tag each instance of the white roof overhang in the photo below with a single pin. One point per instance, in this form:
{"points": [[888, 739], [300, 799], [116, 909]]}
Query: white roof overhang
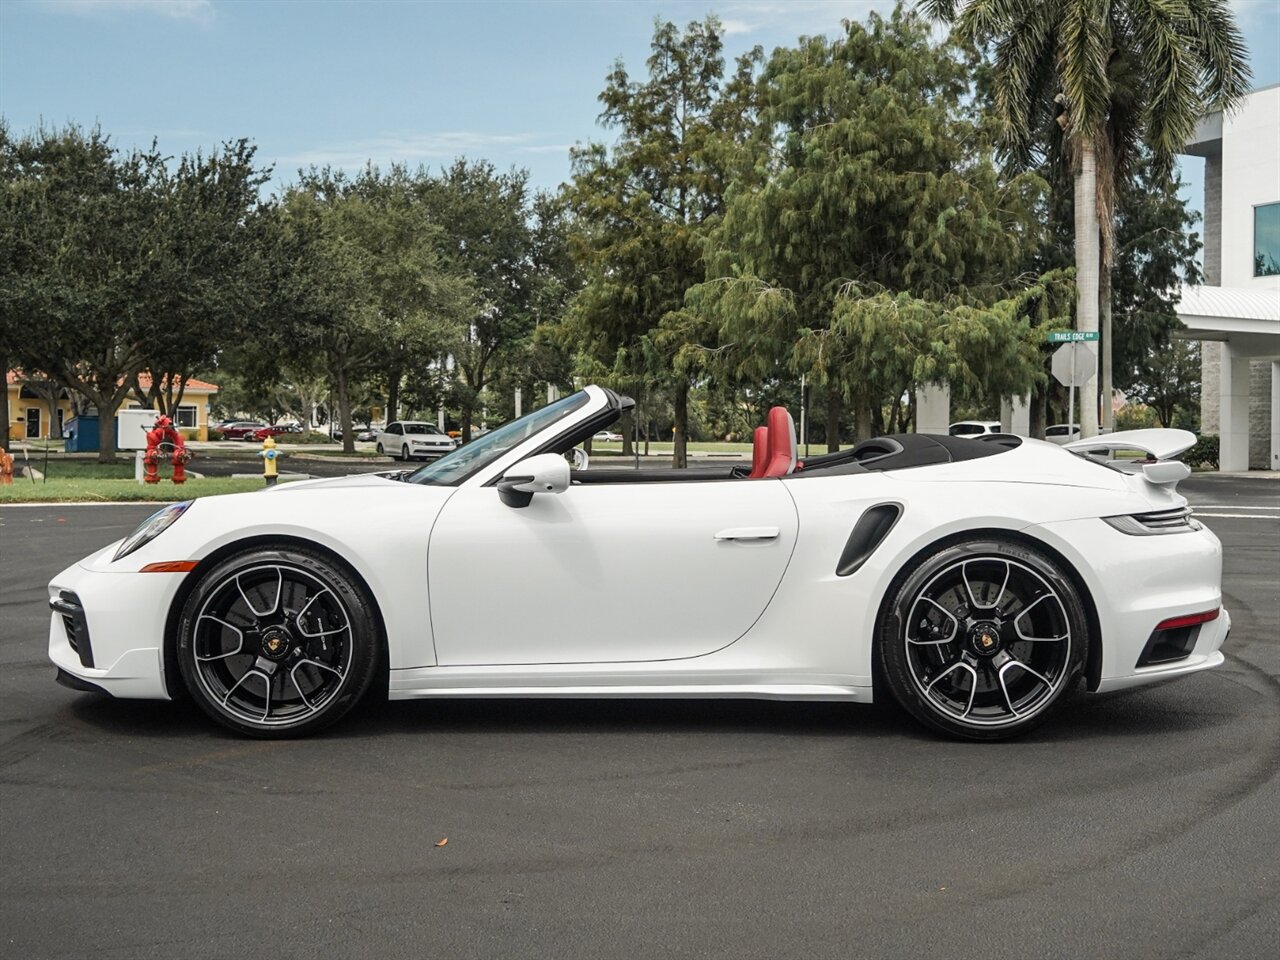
{"points": [[1248, 319]]}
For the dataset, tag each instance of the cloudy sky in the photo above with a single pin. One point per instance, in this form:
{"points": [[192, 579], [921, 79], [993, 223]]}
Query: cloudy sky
{"points": [[343, 82]]}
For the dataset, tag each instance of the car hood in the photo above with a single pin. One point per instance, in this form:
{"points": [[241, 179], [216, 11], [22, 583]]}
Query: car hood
{"points": [[331, 483]]}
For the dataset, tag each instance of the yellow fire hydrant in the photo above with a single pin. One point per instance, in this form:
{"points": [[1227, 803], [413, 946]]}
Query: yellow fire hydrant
{"points": [[269, 455]]}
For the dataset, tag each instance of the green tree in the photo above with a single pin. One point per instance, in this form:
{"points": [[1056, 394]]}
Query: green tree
{"points": [[645, 206], [365, 289], [1169, 383], [873, 238], [488, 235], [1155, 250], [1108, 76], [89, 235]]}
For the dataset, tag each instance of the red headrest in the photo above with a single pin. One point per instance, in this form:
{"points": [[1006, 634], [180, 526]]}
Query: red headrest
{"points": [[782, 443]]}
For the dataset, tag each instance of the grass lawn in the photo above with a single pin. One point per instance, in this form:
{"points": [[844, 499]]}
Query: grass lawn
{"points": [[77, 468], [337, 454], [91, 490]]}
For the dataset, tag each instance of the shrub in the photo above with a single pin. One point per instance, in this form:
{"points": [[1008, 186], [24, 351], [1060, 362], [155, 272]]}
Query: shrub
{"points": [[309, 437], [1136, 416], [1204, 453], [215, 434]]}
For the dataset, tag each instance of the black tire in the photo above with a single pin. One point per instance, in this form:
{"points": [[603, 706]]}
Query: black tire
{"points": [[381, 452], [297, 620], [404, 454], [983, 640]]}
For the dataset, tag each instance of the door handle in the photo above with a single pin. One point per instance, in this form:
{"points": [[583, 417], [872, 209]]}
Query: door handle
{"points": [[748, 533]]}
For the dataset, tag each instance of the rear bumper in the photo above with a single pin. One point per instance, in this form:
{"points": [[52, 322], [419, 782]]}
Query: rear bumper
{"points": [[1206, 655], [1136, 583]]}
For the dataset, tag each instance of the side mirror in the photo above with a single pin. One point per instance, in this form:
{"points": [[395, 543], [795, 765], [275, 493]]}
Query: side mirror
{"points": [[545, 473]]}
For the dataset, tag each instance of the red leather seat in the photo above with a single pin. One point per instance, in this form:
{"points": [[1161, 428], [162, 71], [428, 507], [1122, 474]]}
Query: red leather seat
{"points": [[759, 453], [782, 444]]}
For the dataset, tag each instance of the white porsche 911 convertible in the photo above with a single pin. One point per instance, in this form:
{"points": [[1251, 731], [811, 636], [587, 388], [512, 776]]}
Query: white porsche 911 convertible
{"points": [[977, 581]]}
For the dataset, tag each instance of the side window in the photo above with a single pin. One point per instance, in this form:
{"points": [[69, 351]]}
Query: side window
{"points": [[1266, 240], [396, 429]]}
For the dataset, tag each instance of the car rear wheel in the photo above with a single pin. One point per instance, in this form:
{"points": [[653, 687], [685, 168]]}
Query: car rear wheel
{"points": [[381, 452], [984, 640], [277, 643]]}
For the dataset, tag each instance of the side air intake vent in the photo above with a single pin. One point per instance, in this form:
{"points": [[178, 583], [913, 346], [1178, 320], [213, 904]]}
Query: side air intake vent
{"points": [[67, 605], [872, 527]]}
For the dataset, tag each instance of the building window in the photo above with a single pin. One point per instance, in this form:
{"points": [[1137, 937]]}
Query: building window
{"points": [[186, 416], [1266, 240]]}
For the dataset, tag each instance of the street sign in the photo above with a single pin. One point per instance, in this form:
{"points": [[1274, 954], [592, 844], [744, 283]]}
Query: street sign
{"points": [[1075, 363], [1073, 336]]}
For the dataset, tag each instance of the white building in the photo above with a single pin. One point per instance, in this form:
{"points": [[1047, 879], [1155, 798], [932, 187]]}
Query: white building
{"points": [[1236, 314]]}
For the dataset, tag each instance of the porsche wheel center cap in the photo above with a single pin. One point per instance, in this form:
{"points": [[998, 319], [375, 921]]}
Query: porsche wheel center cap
{"points": [[276, 643], [984, 638]]}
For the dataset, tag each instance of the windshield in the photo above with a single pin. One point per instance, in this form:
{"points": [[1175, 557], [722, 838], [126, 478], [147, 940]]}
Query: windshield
{"points": [[421, 428], [455, 467]]}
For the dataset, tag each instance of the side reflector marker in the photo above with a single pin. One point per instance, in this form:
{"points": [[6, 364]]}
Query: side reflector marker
{"points": [[1190, 620], [170, 566]]}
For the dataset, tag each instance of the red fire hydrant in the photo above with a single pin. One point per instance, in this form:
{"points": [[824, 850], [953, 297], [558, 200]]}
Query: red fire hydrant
{"points": [[164, 442]]}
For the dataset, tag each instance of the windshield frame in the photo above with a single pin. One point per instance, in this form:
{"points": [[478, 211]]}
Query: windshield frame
{"points": [[481, 450]]}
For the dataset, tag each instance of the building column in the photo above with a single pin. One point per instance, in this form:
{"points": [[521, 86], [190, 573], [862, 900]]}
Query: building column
{"points": [[1015, 415], [1233, 386], [933, 408], [1275, 415]]}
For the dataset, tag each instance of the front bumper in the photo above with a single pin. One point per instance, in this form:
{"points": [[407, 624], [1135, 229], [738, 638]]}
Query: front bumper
{"points": [[122, 615]]}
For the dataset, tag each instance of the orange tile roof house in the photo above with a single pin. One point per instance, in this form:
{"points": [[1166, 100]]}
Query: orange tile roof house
{"points": [[32, 415]]}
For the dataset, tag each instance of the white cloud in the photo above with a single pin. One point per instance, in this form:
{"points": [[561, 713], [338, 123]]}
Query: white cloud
{"points": [[1247, 11], [796, 16], [200, 11], [413, 148], [548, 148]]}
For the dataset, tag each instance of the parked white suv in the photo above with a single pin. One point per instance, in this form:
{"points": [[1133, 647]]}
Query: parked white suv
{"points": [[973, 428], [414, 440]]}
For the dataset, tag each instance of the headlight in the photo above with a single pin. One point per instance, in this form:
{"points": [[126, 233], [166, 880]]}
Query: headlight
{"points": [[151, 528]]}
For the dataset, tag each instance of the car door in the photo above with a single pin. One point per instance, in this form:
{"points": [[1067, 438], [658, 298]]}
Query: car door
{"points": [[606, 572], [391, 439]]}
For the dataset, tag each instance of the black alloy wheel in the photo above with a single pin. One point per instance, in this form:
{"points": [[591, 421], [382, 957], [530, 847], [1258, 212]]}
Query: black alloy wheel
{"points": [[984, 640], [277, 643]]}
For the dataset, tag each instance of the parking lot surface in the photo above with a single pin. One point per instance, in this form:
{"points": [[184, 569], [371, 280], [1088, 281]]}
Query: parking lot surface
{"points": [[1144, 824]]}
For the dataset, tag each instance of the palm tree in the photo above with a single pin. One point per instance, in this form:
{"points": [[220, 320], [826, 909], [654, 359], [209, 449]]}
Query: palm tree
{"points": [[1109, 74]]}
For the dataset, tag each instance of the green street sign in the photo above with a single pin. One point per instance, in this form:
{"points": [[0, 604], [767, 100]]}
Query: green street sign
{"points": [[1072, 336]]}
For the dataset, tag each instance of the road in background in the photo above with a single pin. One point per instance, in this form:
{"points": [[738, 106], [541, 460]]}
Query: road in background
{"points": [[1138, 825]]}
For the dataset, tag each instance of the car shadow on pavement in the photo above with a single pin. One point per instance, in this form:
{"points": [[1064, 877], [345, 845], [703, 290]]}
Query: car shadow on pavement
{"points": [[1157, 711]]}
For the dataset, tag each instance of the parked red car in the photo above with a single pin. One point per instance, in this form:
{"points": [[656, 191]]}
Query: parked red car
{"points": [[241, 429]]}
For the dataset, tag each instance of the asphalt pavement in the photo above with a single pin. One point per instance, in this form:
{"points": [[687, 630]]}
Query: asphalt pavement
{"points": [[1142, 824]]}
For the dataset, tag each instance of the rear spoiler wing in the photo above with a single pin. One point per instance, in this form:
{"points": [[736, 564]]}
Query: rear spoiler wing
{"points": [[1159, 445]]}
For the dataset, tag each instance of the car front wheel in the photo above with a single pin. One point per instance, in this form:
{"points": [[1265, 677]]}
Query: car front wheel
{"points": [[277, 643], [984, 640]]}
